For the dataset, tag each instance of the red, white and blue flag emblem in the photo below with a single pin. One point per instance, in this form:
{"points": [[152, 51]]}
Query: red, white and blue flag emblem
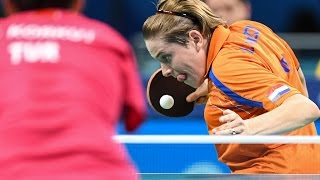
{"points": [[277, 92]]}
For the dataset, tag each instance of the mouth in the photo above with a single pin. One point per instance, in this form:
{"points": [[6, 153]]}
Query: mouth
{"points": [[188, 81], [181, 77]]}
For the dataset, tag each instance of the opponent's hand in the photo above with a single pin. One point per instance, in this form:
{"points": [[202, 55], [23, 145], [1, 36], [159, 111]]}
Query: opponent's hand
{"points": [[233, 124], [200, 95]]}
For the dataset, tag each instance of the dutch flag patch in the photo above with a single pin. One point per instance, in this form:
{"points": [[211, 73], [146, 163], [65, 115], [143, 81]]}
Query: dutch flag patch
{"points": [[277, 92]]}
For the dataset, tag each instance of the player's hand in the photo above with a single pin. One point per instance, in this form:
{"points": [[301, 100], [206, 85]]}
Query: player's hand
{"points": [[200, 95], [233, 124]]}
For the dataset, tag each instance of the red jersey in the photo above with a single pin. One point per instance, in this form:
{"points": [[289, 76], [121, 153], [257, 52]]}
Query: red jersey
{"points": [[64, 82]]}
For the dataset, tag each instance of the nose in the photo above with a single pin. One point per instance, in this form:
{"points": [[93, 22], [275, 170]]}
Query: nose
{"points": [[166, 70]]}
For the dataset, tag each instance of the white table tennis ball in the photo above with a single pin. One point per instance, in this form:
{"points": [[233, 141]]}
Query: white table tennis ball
{"points": [[166, 101]]}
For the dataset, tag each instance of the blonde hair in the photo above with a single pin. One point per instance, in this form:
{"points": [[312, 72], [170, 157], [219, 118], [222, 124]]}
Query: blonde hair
{"points": [[175, 18]]}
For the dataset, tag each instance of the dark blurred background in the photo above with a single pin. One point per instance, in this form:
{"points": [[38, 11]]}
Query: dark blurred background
{"points": [[282, 16]]}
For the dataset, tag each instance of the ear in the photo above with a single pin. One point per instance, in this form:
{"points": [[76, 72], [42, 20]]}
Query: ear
{"points": [[197, 39], [78, 5]]}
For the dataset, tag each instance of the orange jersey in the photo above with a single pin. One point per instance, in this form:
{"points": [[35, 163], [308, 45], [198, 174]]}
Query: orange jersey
{"points": [[253, 71]]}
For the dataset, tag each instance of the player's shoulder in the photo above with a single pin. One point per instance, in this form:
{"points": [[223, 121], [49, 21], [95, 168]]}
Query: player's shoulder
{"points": [[248, 25], [230, 55], [4, 21], [230, 62]]}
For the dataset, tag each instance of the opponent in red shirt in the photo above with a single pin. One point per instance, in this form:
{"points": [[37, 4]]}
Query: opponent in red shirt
{"points": [[65, 81]]}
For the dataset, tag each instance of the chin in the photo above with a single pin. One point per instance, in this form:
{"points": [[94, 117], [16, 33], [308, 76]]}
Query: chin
{"points": [[192, 84], [196, 84]]}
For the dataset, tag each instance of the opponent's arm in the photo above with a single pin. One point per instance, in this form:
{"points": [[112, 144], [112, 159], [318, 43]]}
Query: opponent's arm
{"points": [[134, 107]]}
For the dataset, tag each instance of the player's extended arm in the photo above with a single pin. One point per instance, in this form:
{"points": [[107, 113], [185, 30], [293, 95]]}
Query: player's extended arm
{"points": [[294, 113], [134, 101], [303, 81]]}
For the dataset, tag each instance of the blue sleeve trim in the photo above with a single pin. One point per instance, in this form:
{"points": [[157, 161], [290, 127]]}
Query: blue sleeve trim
{"points": [[231, 94]]}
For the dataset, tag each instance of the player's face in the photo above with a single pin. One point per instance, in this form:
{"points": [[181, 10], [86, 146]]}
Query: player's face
{"points": [[186, 63]]}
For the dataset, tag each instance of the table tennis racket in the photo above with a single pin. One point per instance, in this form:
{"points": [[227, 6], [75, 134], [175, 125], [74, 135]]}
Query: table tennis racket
{"points": [[159, 85]]}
